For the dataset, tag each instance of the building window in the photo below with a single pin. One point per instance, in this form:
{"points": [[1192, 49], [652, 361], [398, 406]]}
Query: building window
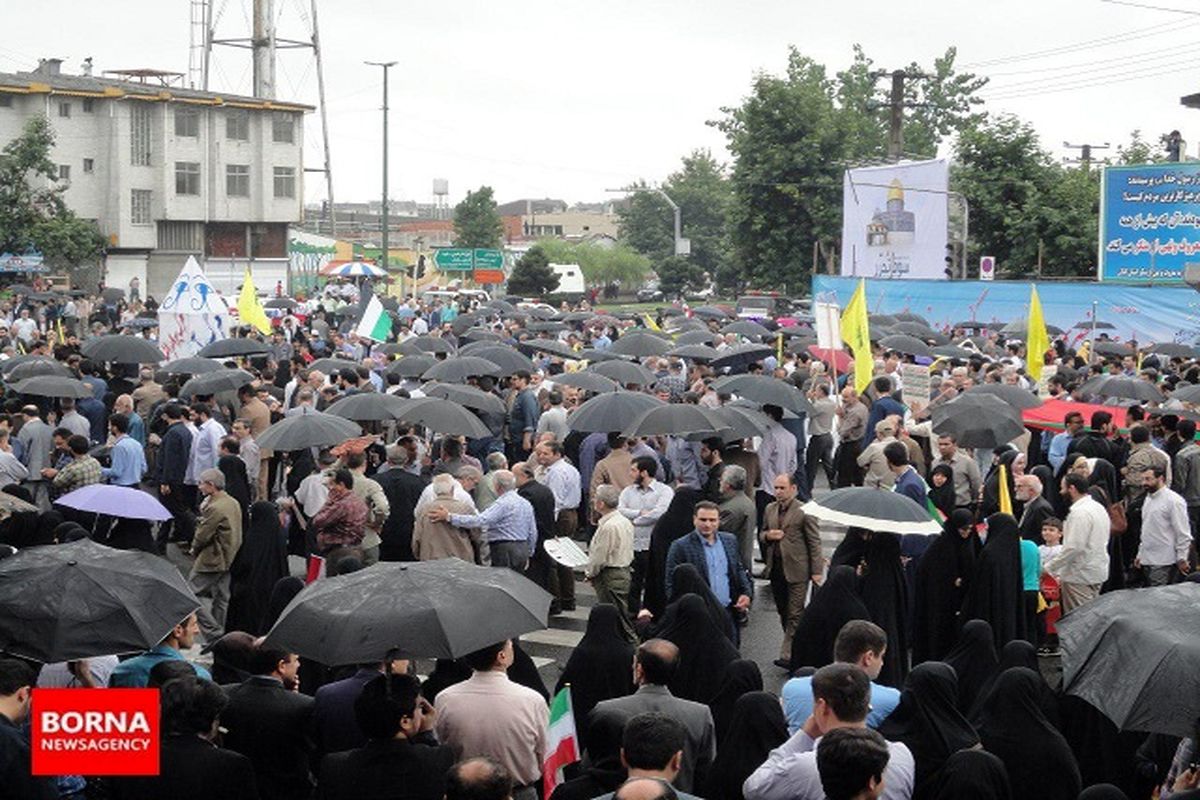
{"points": [[187, 177], [283, 128], [285, 181], [139, 135], [140, 207], [187, 121], [237, 180], [89, 165], [64, 109], [237, 126], [5, 100], [64, 172], [88, 105]]}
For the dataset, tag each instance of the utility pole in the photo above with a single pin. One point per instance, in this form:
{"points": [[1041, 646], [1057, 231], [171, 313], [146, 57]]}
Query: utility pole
{"points": [[383, 211], [1085, 154], [896, 105]]}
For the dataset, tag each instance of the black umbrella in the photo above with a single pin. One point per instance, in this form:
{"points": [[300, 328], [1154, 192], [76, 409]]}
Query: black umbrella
{"points": [[1133, 654], [588, 381], [503, 356], [624, 372], [432, 609], [973, 325], [710, 312], [123, 350], [695, 352], [885, 320], [978, 420], [281, 302], [1099, 325], [328, 366], [611, 411], [466, 396], [309, 428], [953, 351], [20, 288], [1111, 349], [908, 316], [411, 366], [53, 386], [443, 416], [367, 406], [39, 366], [82, 599], [741, 355], [577, 316], [191, 366], [740, 422], [222, 380], [426, 344], [463, 322], [1017, 328], [1120, 386], [681, 325], [677, 419], [1174, 350], [1015, 396], [9, 364], [112, 294], [671, 311], [748, 328], [920, 331], [766, 390], [873, 509], [703, 337], [500, 305], [601, 355], [640, 344], [551, 326], [1186, 394], [903, 343], [140, 323], [457, 370], [225, 348], [552, 346], [475, 335]]}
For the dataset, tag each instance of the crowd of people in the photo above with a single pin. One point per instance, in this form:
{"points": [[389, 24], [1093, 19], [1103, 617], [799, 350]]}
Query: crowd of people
{"points": [[912, 660]]}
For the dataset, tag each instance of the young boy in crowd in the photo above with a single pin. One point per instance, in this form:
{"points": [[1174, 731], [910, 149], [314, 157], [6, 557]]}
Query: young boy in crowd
{"points": [[1052, 533]]}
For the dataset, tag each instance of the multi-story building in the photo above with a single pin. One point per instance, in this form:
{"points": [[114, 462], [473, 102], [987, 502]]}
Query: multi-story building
{"points": [[167, 172]]}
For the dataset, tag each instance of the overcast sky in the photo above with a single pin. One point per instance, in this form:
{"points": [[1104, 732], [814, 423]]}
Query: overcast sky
{"points": [[565, 98]]}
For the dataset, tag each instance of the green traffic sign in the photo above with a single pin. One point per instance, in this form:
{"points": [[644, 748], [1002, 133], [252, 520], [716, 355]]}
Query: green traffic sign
{"points": [[489, 259], [454, 258]]}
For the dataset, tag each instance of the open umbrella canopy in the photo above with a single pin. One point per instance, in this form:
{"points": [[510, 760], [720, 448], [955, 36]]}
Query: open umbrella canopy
{"points": [[953, 351], [873, 509], [920, 331], [1017, 328], [611, 411], [1107, 348], [431, 609], [741, 422], [908, 316], [741, 355], [588, 381], [547, 326], [677, 419], [466, 396], [1174, 350], [411, 366], [53, 386], [367, 407], [903, 343], [1133, 654], [123, 350], [694, 352], [11, 504], [353, 269], [747, 328], [309, 428], [1100, 325], [139, 323], [1187, 394], [223, 380], [881, 320], [766, 390], [502, 306], [90, 600], [640, 344], [597, 356], [543, 345], [476, 335], [704, 337], [225, 348], [680, 325], [1015, 396], [443, 416], [191, 366], [116, 501], [838, 359], [39, 366], [503, 356], [328, 366], [457, 370], [710, 312], [1120, 386], [426, 344], [978, 420], [624, 372], [286, 303]]}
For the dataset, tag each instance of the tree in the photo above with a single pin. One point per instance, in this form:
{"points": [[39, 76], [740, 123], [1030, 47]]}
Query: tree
{"points": [[601, 265], [1139, 151], [33, 215], [476, 223], [532, 275], [677, 275], [646, 224], [704, 196]]}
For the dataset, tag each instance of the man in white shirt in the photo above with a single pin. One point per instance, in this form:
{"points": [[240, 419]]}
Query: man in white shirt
{"points": [[1082, 564], [206, 446], [1166, 532], [642, 503], [842, 698], [564, 482]]}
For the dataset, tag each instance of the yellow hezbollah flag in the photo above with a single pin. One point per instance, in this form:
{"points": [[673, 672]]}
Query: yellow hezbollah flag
{"points": [[250, 310], [1037, 341], [857, 337], [650, 323], [1005, 499]]}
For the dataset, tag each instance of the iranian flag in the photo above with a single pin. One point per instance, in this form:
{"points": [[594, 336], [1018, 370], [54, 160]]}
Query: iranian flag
{"points": [[561, 745], [376, 323]]}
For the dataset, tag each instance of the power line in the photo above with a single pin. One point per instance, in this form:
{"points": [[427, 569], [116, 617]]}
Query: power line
{"points": [[1185, 47], [1152, 8], [1093, 84], [1124, 36], [1117, 71]]}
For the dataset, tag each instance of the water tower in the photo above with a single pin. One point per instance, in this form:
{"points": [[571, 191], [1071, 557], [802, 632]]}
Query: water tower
{"points": [[441, 188]]}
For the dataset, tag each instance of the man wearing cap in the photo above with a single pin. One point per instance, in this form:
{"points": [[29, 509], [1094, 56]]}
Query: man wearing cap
{"points": [[873, 459]]}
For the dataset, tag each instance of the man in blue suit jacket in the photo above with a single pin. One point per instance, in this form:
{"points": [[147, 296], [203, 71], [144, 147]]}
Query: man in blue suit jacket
{"points": [[714, 554]]}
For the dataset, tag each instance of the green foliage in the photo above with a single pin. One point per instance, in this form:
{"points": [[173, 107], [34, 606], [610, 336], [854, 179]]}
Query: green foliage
{"points": [[1139, 151], [476, 222], [677, 275], [646, 224], [532, 276], [600, 264]]}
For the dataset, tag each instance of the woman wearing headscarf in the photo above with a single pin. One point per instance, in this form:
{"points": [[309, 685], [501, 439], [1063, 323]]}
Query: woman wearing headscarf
{"points": [[1049, 488], [974, 661], [1014, 729], [446, 672], [928, 722], [1098, 489], [941, 585], [600, 665], [685, 580], [525, 672], [19, 528], [997, 589], [259, 564], [756, 727], [741, 677], [941, 489], [675, 523], [1018, 653], [834, 604], [237, 482], [704, 651], [282, 593], [973, 774], [47, 521], [884, 592], [130, 534], [852, 549], [1014, 464]]}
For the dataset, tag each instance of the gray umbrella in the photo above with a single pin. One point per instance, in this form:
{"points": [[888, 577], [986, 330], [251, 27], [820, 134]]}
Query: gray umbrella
{"points": [[537, 312], [1018, 327], [677, 419], [432, 609], [766, 390], [479, 335], [503, 356], [1174, 350], [741, 422], [881, 320], [1186, 394], [953, 351], [1133, 654], [873, 509], [309, 428], [457, 370], [695, 352], [328, 366], [640, 344], [903, 343], [225, 348], [741, 355], [1103, 348], [502, 305], [920, 331], [611, 411], [588, 381], [549, 326], [222, 380], [9, 364], [681, 325], [466, 396], [191, 366], [443, 416], [411, 366], [978, 420], [53, 386], [426, 344], [1015, 396], [1099, 325], [40, 366], [367, 407], [595, 356], [123, 350], [908, 316], [552, 346], [1120, 386], [747, 328], [703, 337], [710, 312], [624, 372]]}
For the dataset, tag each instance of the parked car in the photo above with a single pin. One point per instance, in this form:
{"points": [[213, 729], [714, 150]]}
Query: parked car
{"points": [[650, 293]]}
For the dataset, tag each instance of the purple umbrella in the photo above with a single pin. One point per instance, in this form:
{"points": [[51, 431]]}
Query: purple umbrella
{"points": [[116, 501]]}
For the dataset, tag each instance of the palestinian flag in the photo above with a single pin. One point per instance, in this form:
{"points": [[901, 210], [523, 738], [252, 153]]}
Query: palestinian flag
{"points": [[376, 324], [935, 513], [562, 747]]}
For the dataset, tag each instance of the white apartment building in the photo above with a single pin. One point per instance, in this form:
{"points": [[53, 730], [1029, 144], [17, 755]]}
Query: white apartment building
{"points": [[168, 172]]}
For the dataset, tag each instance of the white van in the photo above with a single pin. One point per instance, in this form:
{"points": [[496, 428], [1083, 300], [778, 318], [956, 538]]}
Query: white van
{"points": [[570, 281]]}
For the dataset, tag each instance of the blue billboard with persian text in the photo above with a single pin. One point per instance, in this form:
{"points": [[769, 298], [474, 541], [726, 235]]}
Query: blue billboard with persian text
{"points": [[1149, 222]]}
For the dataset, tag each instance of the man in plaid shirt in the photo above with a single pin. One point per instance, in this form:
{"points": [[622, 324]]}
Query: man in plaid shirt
{"points": [[82, 471]]}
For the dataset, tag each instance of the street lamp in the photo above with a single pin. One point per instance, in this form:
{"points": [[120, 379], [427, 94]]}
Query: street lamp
{"points": [[683, 247]]}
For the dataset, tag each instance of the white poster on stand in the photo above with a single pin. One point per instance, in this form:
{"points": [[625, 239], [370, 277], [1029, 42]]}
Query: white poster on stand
{"points": [[894, 220], [191, 315]]}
